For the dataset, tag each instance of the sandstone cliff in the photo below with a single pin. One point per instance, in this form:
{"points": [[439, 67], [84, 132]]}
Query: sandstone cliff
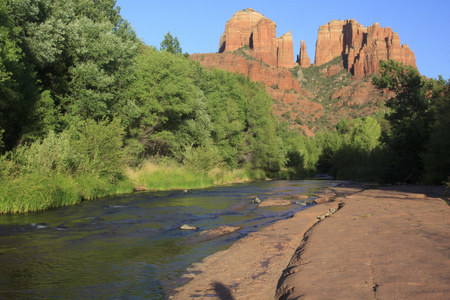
{"points": [[285, 52], [248, 27], [361, 48], [307, 96], [303, 59]]}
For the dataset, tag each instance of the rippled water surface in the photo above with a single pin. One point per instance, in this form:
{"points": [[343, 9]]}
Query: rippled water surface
{"points": [[129, 247]]}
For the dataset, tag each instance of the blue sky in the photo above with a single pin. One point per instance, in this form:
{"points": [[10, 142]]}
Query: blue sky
{"points": [[423, 25]]}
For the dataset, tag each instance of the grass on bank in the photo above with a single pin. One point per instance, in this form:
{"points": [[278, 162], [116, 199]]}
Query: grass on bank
{"points": [[37, 191]]}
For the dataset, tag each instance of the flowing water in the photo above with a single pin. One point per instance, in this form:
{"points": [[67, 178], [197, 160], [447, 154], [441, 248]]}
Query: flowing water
{"points": [[129, 247]]}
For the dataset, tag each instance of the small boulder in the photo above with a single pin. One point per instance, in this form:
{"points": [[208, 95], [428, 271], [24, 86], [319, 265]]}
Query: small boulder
{"points": [[299, 196], [256, 200], [320, 200], [188, 227]]}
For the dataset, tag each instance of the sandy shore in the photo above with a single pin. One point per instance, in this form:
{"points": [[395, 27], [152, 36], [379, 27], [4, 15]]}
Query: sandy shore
{"points": [[387, 243]]}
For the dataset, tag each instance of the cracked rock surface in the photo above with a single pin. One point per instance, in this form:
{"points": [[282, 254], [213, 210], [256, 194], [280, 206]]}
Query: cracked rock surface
{"points": [[389, 243]]}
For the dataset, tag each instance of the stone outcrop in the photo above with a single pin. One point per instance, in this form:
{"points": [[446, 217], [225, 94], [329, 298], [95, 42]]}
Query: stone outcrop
{"points": [[329, 42], [239, 30], [264, 42], [361, 48], [285, 53], [280, 78], [250, 28], [303, 59]]}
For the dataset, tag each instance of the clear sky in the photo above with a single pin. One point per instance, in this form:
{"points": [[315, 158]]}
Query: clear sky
{"points": [[424, 25]]}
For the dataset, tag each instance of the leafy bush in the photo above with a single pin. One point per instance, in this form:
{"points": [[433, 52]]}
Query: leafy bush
{"points": [[202, 159], [53, 154], [99, 145]]}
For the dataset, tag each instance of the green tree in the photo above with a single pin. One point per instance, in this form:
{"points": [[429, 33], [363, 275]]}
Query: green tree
{"points": [[17, 80], [365, 134], [102, 68], [160, 101], [411, 118], [171, 44], [437, 157], [83, 53], [105, 11]]}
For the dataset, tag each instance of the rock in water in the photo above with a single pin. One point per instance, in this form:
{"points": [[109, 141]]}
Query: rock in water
{"points": [[188, 227], [256, 200], [219, 231], [38, 225]]}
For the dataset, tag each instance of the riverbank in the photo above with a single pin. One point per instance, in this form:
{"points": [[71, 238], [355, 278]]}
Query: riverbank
{"points": [[42, 191], [387, 243]]}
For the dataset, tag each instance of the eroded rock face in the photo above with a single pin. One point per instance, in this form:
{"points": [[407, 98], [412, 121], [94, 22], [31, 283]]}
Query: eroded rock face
{"points": [[329, 42], [303, 59], [361, 47], [265, 42], [239, 30], [248, 27], [280, 78], [285, 55]]}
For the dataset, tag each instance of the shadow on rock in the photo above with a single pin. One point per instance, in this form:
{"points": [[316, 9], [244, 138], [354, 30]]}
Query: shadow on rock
{"points": [[222, 291]]}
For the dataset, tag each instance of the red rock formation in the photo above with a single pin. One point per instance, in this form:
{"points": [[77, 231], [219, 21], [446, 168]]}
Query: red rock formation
{"points": [[271, 77], [285, 54], [265, 42], [239, 29], [329, 42], [381, 44], [332, 70], [248, 27], [303, 60], [361, 47]]}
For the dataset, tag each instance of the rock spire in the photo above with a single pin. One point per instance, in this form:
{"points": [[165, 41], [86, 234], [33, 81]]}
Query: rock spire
{"points": [[303, 59]]}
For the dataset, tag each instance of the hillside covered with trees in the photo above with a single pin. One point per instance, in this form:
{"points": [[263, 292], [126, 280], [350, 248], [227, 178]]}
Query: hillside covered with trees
{"points": [[88, 110]]}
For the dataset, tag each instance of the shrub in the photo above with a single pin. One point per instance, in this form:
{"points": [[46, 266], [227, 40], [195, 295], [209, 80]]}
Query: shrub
{"points": [[53, 153], [100, 147], [203, 158]]}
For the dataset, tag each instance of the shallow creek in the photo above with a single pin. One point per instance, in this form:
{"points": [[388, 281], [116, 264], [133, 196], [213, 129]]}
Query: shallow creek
{"points": [[130, 246]]}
